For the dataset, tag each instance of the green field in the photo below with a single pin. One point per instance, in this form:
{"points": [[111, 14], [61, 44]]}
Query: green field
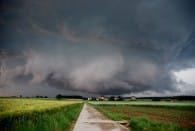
{"points": [[149, 115], [38, 114], [147, 103]]}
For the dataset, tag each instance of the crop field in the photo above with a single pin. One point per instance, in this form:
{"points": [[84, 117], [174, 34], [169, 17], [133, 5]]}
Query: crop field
{"points": [[147, 103], [149, 114], [38, 114]]}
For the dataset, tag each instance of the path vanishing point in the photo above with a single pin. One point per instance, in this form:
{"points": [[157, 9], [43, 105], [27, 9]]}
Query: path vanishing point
{"points": [[92, 120]]}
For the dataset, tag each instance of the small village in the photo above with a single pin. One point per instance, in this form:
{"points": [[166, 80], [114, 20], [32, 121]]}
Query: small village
{"points": [[111, 98]]}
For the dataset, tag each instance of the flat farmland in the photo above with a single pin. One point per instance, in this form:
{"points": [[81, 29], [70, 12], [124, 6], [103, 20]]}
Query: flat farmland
{"points": [[36, 114], [179, 113], [147, 103]]}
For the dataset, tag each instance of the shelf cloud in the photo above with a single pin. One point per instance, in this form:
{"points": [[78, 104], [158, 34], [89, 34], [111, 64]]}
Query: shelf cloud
{"points": [[96, 47]]}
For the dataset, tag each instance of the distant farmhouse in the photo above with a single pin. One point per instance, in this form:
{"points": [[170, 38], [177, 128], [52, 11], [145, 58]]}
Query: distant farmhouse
{"points": [[131, 98], [111, 98], [102, 98], [98, 98]]}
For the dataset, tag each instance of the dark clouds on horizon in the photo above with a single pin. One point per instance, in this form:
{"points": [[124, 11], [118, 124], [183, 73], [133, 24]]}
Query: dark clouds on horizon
{"points": [[96, 46]]}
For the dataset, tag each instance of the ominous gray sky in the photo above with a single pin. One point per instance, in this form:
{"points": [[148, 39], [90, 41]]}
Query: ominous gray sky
{"points": [[103, 47]]}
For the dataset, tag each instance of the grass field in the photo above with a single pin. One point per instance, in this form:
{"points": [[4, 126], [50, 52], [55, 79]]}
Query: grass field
{"points": [[151, 115], [177, 104], [38, 114]]}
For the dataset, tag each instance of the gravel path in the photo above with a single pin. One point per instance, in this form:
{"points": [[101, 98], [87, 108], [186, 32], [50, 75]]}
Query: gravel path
{"points": [[92, 120]]}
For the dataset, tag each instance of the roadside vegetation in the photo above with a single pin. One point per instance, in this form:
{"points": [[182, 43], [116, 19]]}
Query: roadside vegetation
{"points": [[144, 115], [33, 115]]}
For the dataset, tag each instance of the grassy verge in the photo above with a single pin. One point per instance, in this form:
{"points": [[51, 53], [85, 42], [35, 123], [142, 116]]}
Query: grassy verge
{"points": [[141, 123], [51, 116]]}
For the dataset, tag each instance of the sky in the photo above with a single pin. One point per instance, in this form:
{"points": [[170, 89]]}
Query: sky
{"points": [[97, 47]]}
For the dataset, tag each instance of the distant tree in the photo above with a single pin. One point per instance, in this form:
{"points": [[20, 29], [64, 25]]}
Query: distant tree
{"points": [[156, 99], [37, 96], [120, 98], [20, 96], [46, 96], [59, 96], [111, 98], [93, 98]]}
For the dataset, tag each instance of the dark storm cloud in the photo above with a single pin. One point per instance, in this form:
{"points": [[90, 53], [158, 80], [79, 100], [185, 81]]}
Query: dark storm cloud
{"points": [[105, 47]]}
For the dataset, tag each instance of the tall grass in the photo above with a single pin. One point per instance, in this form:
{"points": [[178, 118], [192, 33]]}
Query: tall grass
{"points": [[56, 119], [57, 116], [9, 106]]}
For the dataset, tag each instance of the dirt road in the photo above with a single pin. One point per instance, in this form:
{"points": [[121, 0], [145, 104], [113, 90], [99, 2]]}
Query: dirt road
{"points": [[92, 120]]}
